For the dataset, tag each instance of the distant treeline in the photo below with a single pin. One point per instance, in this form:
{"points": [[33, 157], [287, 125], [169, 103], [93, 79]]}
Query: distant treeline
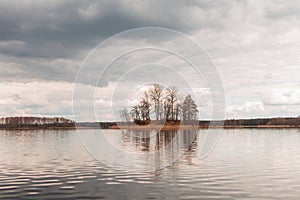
{"points": [[260, 122], [264, 122], [36, 122]]}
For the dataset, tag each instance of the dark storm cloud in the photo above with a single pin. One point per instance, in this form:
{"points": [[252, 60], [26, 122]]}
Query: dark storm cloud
{"points": [[65, 28], [48, 39], [57, 30], [281, 10]]}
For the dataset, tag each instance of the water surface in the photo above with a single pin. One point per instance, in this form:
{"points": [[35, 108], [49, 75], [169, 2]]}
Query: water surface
{"points": [[245, 164]]}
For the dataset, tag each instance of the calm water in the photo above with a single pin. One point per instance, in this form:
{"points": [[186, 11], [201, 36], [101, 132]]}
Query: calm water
{"points": [[245, 164]]}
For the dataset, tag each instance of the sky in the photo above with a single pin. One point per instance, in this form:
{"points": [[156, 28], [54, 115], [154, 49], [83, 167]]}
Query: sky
{"points": [[253, 45]]}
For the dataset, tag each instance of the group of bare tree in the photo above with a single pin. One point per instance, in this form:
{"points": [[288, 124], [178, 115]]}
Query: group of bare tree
{"points": [[162, 104]]}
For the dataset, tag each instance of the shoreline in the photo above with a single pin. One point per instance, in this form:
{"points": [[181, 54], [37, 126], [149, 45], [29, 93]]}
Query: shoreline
{"points": [[156, 127], [190, 127]]}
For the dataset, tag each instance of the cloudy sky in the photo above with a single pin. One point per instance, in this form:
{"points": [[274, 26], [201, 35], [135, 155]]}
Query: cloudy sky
{"points": [[254, 45]]}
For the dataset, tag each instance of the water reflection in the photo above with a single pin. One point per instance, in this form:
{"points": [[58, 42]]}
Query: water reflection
{"points": [[246, 164], [146, 150], [154, 140]]}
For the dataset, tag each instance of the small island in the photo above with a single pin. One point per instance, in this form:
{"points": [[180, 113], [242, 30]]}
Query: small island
{"points": [[160, 108]]}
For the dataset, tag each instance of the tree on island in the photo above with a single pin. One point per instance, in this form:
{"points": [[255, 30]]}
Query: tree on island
{"points": [[171, 99], [145, 107], [189, 109], [156, 97], [125, 114], [165, 104]]}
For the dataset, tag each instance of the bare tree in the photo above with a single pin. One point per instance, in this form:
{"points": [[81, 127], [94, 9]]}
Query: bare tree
{"points": [[171, 100], [145, 107], [167, 109], [156, 94], [135, 112], [125, 115]]}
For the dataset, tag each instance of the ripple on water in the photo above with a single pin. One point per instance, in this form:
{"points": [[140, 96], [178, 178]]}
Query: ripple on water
{"points": [[244, 165], [67, 187]]}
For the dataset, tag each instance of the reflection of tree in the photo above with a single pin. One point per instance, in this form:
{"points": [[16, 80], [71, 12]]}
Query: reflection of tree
{"points": [[159, 140], [189, 138], [139, 139], [160, 148]]}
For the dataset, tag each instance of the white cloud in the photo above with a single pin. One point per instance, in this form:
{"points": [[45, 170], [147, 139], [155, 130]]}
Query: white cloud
{"points": [[246, 110], [277, 97], [90, 12], [36, 98]]}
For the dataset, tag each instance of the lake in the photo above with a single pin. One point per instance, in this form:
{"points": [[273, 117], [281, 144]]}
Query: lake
{"points": [[62, 164]]}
